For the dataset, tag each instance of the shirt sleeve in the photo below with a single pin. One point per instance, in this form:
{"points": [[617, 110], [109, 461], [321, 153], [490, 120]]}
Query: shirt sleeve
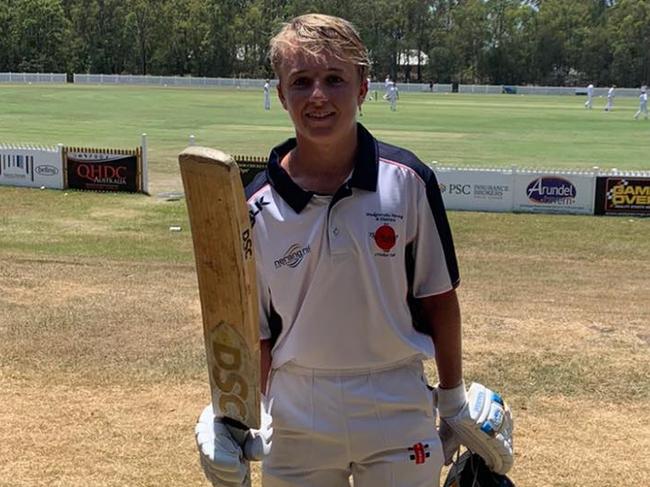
{"points": [[264, 298], [435, 267]]}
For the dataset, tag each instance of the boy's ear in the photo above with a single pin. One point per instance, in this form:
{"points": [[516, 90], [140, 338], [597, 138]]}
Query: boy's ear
{"points": [[281, 95], [363, 91]]}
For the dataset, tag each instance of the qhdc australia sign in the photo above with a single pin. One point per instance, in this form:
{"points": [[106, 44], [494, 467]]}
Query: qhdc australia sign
{"points": [[554, 194], [101, 171]]}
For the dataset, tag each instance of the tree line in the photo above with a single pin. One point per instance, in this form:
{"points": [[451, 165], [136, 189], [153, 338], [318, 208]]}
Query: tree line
{"points": [[543, 42]]}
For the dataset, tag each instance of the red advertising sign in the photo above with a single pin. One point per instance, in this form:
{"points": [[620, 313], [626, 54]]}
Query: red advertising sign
{"points": [[102, 172]]}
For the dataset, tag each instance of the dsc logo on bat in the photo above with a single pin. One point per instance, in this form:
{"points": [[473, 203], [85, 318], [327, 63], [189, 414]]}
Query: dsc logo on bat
{"points": [[247, 243], [230, 372]]}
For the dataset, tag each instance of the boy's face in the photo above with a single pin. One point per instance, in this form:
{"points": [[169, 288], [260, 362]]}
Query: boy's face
{"points": [[321, 95]]}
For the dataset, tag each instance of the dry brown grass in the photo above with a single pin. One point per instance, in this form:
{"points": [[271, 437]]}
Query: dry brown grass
{"points": [[102, 373]]}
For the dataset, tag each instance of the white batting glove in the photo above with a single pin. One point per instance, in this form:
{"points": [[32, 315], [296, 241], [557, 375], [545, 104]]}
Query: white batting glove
{"points": [[450, 442], [225, 462], [480, 420]]}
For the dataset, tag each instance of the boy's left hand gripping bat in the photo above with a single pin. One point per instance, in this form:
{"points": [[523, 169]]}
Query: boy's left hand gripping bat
{"points": [[225, 267]]}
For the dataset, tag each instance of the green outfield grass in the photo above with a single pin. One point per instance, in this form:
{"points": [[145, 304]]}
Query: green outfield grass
{"points": [[483, 130], [102, 372]]}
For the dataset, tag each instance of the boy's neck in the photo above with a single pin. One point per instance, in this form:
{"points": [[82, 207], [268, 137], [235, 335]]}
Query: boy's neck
{"points": [[321, 168]]}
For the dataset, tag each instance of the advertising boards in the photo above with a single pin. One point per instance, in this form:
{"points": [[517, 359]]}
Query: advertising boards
{"points": [[475, 190], [31, 167], [621, 195], [554, 192], [102, 171]]}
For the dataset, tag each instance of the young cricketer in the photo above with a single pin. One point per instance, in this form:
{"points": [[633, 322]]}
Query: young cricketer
{"points": [[357, 278]]}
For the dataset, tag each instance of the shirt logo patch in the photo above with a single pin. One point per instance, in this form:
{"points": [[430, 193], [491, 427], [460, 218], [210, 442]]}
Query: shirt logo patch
{"points": [[385, 237], [293, 256], [419, 453]]}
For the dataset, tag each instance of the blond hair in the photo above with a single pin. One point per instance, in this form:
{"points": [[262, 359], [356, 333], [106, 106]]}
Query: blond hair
{"points": [[319, 34]]}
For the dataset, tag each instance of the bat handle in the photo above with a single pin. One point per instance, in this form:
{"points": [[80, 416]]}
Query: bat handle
{"points": [[237, 429]]}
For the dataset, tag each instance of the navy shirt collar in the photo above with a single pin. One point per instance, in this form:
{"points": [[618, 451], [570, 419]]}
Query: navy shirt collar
{"points": [[363, 177]]}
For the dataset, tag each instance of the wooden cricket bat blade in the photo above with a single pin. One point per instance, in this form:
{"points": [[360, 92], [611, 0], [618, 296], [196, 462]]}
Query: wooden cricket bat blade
{"points": [[225, 268]]}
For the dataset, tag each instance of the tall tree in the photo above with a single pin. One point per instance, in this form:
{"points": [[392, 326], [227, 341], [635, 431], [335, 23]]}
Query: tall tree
{"points": [[141, 27], [470, 41], [629, 29], [7, 62], [560, 38], [469, 35], [39, 35], [505, 61], [99, 36]]}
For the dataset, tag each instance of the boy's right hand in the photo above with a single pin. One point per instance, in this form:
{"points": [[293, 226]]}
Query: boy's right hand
{"points": [[224, 461]]}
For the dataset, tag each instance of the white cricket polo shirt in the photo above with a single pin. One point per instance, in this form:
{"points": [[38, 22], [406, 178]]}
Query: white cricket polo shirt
{"points": [[337, 274]]}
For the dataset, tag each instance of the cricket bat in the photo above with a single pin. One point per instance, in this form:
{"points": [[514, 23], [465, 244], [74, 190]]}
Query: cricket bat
{"points": [[225, 267]]}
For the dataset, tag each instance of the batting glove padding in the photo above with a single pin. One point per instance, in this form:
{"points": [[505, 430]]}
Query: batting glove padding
{"points": [[482, 422], [225, 462]]}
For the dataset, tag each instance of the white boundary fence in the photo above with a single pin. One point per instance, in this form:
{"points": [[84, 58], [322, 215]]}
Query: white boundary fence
{"points": [[33, 78], [535, 90], [250, 83], [188, 81]]}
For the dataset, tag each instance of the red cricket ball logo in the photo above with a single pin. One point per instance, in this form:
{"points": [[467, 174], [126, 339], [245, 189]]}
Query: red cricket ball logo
{"points": [[385, 237]]}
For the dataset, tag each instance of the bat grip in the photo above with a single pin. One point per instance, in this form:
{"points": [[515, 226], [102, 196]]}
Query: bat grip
{"points": [[237, 429]]}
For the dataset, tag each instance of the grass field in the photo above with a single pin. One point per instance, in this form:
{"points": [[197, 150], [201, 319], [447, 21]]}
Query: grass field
{"points": [[102, 369]]}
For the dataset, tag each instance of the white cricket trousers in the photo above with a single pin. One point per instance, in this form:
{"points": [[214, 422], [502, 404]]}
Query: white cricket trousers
{"points": [[377, 427]]}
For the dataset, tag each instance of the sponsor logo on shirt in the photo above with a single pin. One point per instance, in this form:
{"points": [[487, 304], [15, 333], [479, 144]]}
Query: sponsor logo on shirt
{"points": [[256, 208], [385, 235], [293, 256], [419, 453], [384, 217], [385, 238]]}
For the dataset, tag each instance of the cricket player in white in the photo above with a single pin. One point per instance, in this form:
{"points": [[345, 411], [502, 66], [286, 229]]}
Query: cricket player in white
{"points": [[369, 94], [590, 96], [393, 95], [643, 104], [267, 95], [610, 99], [356, 273]]}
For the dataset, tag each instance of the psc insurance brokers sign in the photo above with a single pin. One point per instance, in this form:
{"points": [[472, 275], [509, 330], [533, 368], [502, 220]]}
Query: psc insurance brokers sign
{"points": [[475, 190], [622, 196], [548, 193]]}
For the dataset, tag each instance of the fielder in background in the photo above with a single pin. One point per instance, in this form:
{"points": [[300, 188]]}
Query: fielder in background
{"points": [[369, 94], [357, 278], [610, 99], [386, 87], [590, 96], [267, 95], [393, 96], [643, 104]]}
